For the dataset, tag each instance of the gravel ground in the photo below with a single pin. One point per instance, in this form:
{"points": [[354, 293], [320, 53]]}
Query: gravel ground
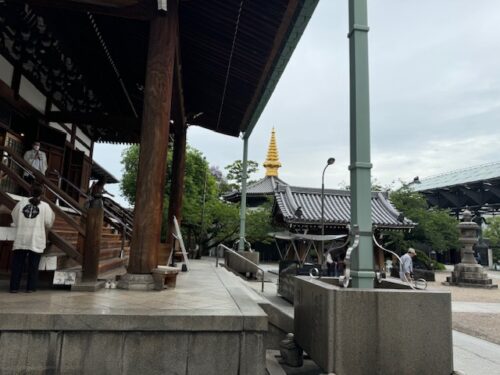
{"points": [[481, 325], [465, 294]]}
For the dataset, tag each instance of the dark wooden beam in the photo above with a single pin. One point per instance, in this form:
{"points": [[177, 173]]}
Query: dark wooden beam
{"points": [[154, 143], [132, 9], [92, 118]]}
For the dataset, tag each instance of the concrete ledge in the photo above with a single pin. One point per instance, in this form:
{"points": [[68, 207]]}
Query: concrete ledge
{"points": [[207, 325]]}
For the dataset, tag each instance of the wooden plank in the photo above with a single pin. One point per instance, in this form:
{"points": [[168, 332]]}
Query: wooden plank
{"points": [[154, 143]]}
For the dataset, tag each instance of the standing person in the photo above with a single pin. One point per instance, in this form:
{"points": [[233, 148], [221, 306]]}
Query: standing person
{"points": [[96, 192], [331, 265], [33, 218], [37, 159], [406, 266]]}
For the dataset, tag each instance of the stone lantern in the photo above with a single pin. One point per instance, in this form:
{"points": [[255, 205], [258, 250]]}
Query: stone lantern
{"points": [[468, 272]]}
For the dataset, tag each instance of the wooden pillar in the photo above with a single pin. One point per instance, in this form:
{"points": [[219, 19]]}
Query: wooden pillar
{"points": [[92, 247], [154, 142], [177, 188]]}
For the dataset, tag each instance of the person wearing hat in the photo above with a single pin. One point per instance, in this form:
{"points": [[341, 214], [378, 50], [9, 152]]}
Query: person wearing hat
{"points": [[406, 266]]}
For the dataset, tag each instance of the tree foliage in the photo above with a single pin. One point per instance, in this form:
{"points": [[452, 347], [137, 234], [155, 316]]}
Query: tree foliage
{"points": [[206, 219], [492, 233], [235, 172], [435, 228]]}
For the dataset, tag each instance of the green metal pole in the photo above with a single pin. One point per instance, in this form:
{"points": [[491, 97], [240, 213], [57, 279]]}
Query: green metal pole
{"points": [[243, 202], [362, 263]]}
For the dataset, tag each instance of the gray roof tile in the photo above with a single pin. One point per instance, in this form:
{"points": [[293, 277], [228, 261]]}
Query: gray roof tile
{"points": [[337, 207]]}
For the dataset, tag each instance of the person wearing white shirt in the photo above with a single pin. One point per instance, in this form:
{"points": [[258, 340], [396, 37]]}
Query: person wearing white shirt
{"points": [[32, 219], [406, 266]]}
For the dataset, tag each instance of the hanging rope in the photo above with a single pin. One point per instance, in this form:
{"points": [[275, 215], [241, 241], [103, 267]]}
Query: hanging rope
{"points": [[112, 62], [229, 65]]}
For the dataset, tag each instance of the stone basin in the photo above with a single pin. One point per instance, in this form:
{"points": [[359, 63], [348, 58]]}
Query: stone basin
{"points": [[373, 331]]}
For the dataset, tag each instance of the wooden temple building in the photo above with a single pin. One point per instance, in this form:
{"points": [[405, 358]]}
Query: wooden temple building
{"points": [[73, 73]]}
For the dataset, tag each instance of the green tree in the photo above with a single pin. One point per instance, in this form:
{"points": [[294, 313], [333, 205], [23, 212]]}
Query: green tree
{"points": [[435, 228], [492, 233], [205, 217], [235, 172]]}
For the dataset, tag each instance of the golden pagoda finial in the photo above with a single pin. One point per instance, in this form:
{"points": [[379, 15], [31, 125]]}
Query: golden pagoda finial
{"points": [[272, 162]]}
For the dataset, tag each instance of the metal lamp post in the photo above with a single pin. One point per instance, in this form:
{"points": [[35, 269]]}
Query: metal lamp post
{"points": [[329, 162]]}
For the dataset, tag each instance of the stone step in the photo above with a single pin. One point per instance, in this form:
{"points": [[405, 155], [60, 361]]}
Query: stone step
{"points": [[113, 252], [110, 264]]}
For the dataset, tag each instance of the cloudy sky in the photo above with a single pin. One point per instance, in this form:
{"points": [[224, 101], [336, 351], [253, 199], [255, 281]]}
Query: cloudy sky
{"points": [[434, 91]]}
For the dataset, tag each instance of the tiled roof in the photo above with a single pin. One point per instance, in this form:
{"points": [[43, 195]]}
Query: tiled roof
{"points": [[337, 207], [263, 187], [458, 177]]}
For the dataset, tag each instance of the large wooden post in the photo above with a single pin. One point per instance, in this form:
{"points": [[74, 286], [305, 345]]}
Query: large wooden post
{"points": [[92, 247], [177, 187], [154, 142]]}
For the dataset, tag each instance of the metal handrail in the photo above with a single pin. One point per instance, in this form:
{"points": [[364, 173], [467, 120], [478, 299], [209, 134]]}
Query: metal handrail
{"points": [[225, 248], [422, 281]]}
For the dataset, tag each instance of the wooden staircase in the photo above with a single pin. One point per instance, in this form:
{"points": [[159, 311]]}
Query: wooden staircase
{"points": [[110, 261]]}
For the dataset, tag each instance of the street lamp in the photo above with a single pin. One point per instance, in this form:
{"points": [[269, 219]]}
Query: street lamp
{"points": [[330, 161]]}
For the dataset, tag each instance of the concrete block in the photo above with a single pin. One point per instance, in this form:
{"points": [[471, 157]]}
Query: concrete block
{"points": [[136, 282], [239, 265], [91, 353], [155, 353], [88, 286], [27, 352], [214, 354], [253, 354], [374, 331]]}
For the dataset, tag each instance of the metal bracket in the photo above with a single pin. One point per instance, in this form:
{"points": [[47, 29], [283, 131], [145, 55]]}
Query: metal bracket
{"points": [[357, 27], [344, 280]]}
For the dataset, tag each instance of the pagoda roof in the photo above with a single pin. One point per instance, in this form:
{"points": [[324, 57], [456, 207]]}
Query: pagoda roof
{"points": [[302, 206], [265, 187]]}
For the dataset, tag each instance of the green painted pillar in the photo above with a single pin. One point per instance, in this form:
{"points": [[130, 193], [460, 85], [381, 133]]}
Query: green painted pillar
{"points": [[362, 267], [243, 201]]}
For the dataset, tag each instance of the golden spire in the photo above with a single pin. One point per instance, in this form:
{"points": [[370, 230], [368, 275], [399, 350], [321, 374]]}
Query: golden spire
{"points": [[272, 162]]}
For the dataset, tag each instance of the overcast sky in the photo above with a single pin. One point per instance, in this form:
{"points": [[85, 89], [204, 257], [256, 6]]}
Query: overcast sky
{"points": [[434, 91]]}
